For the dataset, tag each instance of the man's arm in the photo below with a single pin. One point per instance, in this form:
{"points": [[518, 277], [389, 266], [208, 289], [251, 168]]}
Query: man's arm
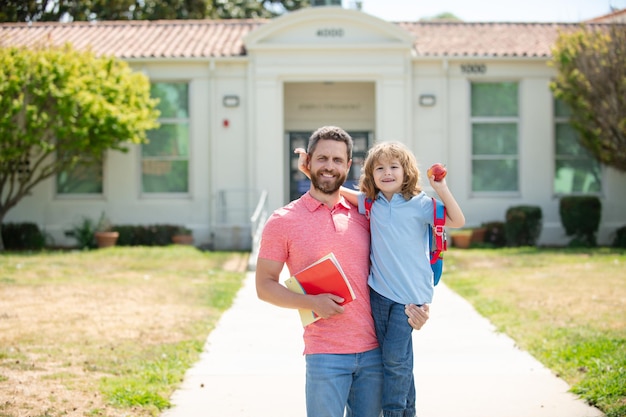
{"points": [[269, 289]]}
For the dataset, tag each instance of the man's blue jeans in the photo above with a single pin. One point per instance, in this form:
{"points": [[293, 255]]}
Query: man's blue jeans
{"points": [[350, 382], [394, 337]]}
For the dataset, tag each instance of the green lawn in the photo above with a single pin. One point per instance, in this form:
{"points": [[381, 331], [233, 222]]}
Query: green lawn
{"points": [[106, 332], [566, 307], [112, 332]]}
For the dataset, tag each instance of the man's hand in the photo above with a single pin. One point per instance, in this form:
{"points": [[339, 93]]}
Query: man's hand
{"points": [[327, 305], [417, 316], [303, 160]]}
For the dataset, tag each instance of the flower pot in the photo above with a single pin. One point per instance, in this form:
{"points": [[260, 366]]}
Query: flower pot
{"points": [[478, 234], [182, 239], [462, 240], [106, 239]]}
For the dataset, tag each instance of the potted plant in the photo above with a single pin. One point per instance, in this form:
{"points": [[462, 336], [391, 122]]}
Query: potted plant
{"points": [[84, 233], [105, 235], [478, 234], [183, 236], [461, 238]]}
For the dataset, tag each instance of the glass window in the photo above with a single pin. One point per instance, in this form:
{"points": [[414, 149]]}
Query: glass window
{"points": [[576, 171], [165, 159], [82, 179], [495, 120], [494, 99]]}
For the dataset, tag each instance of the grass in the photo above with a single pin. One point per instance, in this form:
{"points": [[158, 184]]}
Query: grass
{"points": [[110, 333], [106, 332], [566, 307]]}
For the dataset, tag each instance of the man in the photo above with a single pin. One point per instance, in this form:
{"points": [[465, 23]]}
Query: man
{"points": [[343, 360]]}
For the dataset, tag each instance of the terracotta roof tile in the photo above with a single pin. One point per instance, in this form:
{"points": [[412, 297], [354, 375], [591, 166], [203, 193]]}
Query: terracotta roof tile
{"points": [[140, 39], [223, 38], [484, 39], [617, 16]]}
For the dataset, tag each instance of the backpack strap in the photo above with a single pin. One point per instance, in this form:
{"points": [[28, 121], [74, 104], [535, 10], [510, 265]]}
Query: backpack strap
{"points": [[439, 221], [368, 207]]}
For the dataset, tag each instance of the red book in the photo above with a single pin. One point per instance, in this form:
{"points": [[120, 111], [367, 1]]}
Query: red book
{"points": [[324, 276]]}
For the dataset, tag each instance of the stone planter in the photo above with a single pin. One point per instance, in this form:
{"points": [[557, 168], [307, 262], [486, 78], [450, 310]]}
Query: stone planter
{"points": [[182, 239], [478, 234], [461, 240], [106, 239]]}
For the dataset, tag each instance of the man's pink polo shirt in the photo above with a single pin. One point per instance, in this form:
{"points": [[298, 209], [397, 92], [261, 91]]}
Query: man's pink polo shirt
{"points": [[304, 231]]}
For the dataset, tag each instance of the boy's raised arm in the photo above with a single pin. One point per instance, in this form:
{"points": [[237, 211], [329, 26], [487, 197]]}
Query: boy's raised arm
{"points": [[454, 215]]}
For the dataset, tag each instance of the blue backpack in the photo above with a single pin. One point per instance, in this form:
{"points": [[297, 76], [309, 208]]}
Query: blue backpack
{"points": [[437, 240]]}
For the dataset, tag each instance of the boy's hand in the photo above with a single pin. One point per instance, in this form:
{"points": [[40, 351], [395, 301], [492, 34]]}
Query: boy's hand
{"points": [[303, 161], [417, 316], [437, 185]]}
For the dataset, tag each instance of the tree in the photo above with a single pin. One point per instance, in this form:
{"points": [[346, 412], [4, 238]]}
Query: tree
{"points": [[61, 109], [87, 10], [442, 17], [591, 81], [20, 10]]}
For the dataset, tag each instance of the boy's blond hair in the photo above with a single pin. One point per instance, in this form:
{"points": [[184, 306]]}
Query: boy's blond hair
{"points": [[389, 151]]}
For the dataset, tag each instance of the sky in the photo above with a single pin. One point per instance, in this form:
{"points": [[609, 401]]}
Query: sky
{"points": [[491, 10]]}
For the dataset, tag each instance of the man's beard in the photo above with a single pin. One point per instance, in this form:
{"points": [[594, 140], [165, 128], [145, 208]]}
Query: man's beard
{"points": [[327, 185]]}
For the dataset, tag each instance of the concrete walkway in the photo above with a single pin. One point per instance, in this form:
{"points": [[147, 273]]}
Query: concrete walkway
{"points": [[253, 366]]}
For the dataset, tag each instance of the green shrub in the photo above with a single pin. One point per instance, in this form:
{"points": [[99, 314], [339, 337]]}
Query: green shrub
{"points": [[83, 232], [523, 225], [495, 233], [129, 235], [620, 238], [580, 217], [146, 235], [22, 236]]}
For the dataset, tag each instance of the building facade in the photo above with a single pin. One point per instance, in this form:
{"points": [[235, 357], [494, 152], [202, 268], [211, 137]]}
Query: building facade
{"points": [[238, 95]]}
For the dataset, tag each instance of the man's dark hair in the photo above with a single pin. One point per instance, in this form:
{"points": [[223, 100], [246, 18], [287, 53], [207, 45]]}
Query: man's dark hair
{"points": [[330, 133]]}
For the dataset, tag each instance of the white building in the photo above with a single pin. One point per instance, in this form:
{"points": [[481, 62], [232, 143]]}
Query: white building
{"points": [[244, 93]]}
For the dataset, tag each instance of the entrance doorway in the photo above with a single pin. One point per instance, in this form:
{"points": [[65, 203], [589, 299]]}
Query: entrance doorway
{"points": [[309, 105], [300, 184]]}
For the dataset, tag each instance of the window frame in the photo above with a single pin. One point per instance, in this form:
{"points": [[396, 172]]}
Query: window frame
{"points": [[500, 157], [173, 121], [564, 120], [82, 196]]}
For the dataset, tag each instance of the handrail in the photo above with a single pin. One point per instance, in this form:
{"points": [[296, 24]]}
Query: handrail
{"points": [[258, 211], [257, 221]]}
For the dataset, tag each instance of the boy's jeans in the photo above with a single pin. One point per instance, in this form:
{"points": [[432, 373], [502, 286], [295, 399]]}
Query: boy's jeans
{"points": [[394, 337], [344, 381]]}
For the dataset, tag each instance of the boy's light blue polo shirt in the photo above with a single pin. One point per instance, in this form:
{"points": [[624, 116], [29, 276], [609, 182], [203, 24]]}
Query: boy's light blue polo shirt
{"points": [[400, 260]]}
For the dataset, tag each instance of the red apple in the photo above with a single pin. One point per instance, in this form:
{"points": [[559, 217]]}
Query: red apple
{"points": [[438, 170]]}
